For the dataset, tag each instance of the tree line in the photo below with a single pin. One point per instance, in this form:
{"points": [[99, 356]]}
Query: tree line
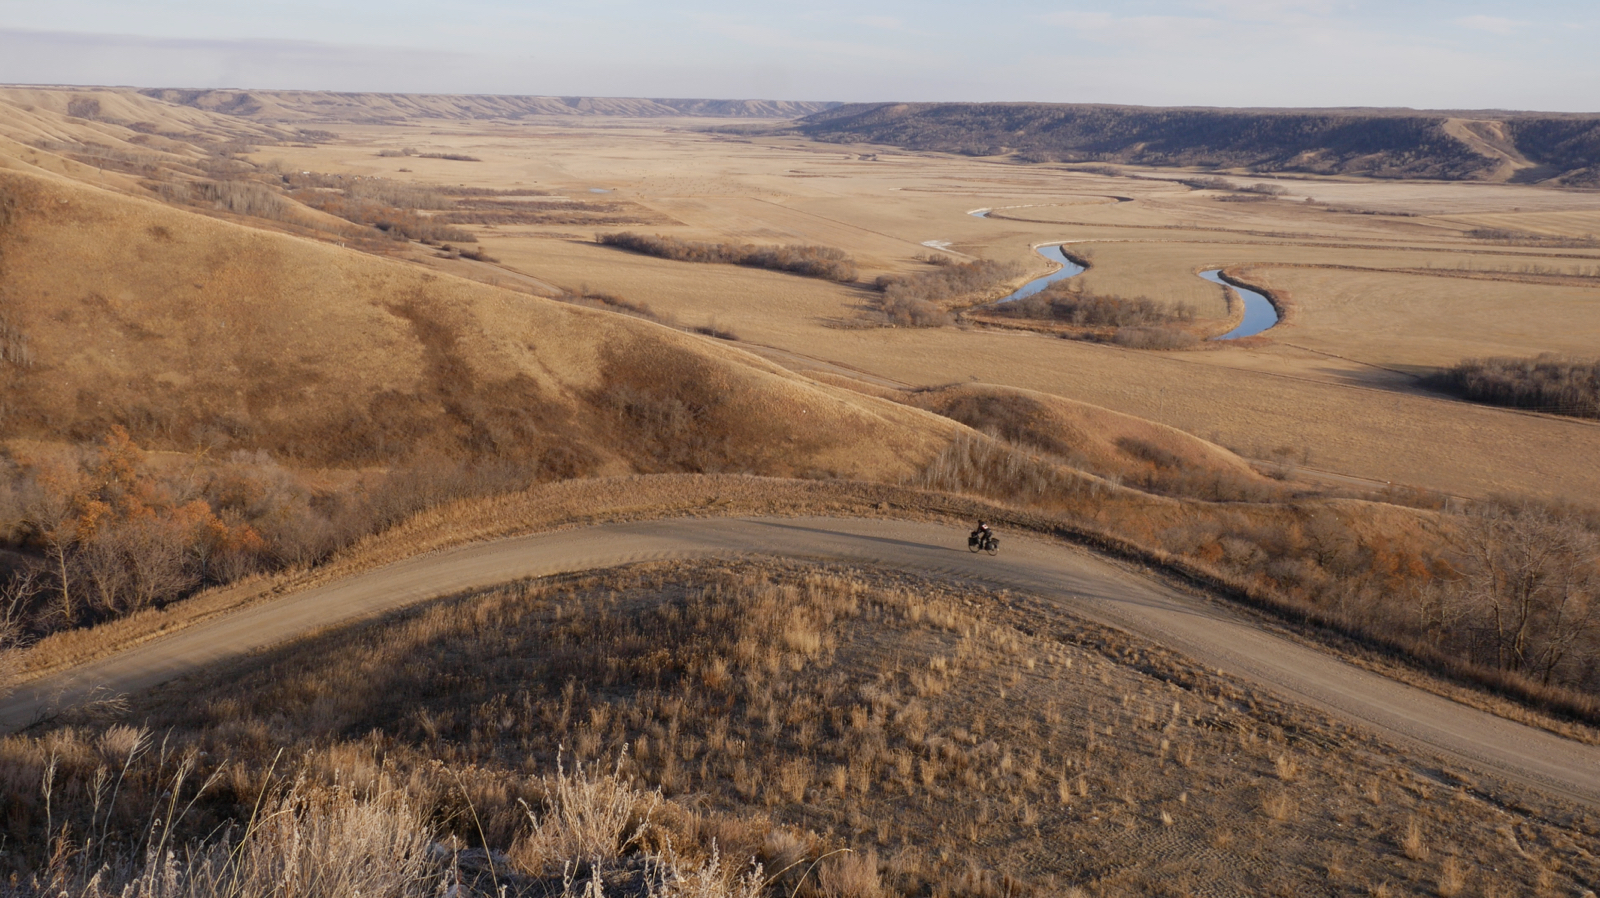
{"points": [[88, 534], [823, 262], [920, 299], [1546, 383], [1390, 145], [1059, 302]]}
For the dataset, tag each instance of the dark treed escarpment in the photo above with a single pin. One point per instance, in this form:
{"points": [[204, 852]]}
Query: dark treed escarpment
{"points": [[1398, 144], [1568, 145]]}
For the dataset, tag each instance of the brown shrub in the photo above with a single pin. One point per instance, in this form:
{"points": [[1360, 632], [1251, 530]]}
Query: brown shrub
{"points": [[1164, 338], [1061, 303], [957, 281], [1546, 383], [811, 261]]}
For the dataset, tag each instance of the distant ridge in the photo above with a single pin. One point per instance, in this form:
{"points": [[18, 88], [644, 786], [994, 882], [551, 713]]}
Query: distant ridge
{"points": [[1385, 143], [306, 107]]}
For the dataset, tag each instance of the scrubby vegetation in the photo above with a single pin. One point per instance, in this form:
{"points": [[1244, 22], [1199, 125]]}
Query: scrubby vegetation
{"points": [[810, 261], [1137, 323], [1061, 302], [1215, 183], [1506, 595], [132, 815], [1546, 383], [923, 299], [104, 531], [664, 730], [1570, 145]]}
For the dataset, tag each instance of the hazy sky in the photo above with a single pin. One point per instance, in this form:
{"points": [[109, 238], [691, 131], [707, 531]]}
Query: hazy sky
{"points": [[1420, 53]]}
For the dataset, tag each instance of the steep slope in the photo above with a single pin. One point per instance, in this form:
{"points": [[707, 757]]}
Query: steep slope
{"points": [[1376, 143], [1570, 145], [1489, 139], [194, 332]]}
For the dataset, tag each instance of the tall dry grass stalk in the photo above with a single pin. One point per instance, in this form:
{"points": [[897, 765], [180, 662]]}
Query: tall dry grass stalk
{"points": [[313, 841], [306, 844], [593, 819]]}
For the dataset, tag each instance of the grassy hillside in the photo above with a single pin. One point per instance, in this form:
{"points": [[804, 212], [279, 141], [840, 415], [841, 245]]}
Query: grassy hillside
{"points": [[191, 332], [1087, 437], [1374, 143], [955, 742], [185, 401]]}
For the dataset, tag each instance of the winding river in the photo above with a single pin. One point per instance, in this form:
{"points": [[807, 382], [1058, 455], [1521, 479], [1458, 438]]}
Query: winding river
{"points": [[1055, 254], [1259, 313]]}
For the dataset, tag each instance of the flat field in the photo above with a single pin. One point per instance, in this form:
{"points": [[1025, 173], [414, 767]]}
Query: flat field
{"points": [[1384, 281]]}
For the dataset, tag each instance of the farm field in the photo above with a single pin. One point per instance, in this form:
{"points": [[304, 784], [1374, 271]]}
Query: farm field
{"points": [[1386, 281]]}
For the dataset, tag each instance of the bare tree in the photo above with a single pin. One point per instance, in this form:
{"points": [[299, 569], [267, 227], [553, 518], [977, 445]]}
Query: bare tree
{"points": [[103, 572], [157, 557], [50, 513], [17, 593], [1531, 587]]}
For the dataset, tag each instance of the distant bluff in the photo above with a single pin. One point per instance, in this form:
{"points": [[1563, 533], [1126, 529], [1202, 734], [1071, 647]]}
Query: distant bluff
{"points": [[303, 106], [1495, 146]]}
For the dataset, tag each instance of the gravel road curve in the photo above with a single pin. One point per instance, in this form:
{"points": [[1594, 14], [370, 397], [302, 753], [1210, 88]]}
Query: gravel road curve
{"points": [[1074, 578]]}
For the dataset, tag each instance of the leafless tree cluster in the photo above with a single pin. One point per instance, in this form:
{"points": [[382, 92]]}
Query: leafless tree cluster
{"points": [[93, 534], [1527, 600], [823, 262], [949, 280], [1547, 383], [1215, 183], [402, 211], [1062, 303], [242, 198], [917, 300], [84, 107]]}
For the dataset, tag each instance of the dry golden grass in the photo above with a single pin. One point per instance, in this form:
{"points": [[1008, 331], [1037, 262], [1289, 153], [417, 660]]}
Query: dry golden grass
{"points": [[1111, 444], [447, 367], [861, 707], [192, 332], [1306, 388], [1268, 395]]}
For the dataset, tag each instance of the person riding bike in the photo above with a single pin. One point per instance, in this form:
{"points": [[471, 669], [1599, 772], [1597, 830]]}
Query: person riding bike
{"points": [[982, 539]]}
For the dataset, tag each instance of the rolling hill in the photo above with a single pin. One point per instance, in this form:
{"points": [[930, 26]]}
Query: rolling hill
{"points": [[187, 330], [329, 106]]}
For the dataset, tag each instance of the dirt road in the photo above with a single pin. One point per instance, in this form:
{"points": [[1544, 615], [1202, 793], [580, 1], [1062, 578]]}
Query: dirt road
{"points": [[1042, 571]]}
